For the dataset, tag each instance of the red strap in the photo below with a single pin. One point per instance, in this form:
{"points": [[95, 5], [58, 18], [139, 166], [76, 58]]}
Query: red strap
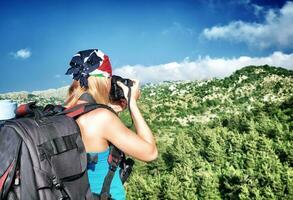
{"points": [[110, 158], [4, 176], [75, 112], [114, 157], [80, 109]]}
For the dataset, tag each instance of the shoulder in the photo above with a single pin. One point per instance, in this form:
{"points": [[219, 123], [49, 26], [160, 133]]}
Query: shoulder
{"points": [[98, 115], [97, 118]]}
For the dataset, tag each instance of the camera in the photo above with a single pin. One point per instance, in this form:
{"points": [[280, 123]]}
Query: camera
{"points": [[126, 169], [116, 92]]}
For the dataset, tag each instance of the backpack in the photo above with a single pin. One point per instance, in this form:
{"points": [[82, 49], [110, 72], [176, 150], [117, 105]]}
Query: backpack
{"points": [[43, 156]]}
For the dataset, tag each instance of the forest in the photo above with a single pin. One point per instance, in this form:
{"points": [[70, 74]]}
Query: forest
{"points": [[228, 138]]}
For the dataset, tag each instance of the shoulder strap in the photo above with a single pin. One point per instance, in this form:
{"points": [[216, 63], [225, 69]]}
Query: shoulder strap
{"points": [[84, 108], [114, 159], [81, 109], [10, 145], [87, 97]]}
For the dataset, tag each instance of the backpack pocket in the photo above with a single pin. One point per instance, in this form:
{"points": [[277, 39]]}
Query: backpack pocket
{"points": [[67, 164], [65, 154]]}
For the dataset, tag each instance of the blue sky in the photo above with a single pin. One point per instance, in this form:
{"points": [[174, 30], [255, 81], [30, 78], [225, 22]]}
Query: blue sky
{"points": [[38, 38]]}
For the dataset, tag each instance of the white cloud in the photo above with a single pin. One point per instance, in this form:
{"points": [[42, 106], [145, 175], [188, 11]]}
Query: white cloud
{"points": [[275, 31], [57, 76], [22, 53], [201, 68]]}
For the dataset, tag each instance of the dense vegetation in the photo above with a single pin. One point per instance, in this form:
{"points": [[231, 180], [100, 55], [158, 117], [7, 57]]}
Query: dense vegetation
{"points": [[228, 138]]}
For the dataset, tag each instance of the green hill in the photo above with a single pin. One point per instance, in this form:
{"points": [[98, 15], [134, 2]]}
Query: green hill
{"points": [[228, 138]]}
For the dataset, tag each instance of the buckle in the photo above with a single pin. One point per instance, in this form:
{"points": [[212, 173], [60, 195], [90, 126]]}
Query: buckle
{"points": [[56, 182]]}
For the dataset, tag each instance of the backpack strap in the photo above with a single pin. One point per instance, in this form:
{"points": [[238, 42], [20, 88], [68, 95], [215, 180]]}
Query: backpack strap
{"points": [[10, 144], [80, 109], [83, 108], [4, 176], [114, 159], [87, 97]]}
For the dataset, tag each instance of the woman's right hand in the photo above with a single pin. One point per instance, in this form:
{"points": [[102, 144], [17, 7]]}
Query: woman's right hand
{"points": [[135, 91]]}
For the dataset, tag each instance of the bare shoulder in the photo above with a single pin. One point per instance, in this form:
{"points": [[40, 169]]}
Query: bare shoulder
{"points": [[96, 117], [93, 126]]}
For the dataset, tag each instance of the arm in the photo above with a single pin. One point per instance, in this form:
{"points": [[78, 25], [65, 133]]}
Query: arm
{"points": [[142, 129], [141, 145]]}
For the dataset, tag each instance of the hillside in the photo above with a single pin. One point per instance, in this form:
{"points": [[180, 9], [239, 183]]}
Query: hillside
{"points": [[228, 138]]}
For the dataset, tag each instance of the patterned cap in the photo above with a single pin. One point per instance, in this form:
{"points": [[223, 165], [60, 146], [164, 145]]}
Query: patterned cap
{"points": [[91, 62]]}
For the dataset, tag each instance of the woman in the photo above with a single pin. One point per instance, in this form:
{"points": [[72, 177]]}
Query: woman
{"points": [[92, 73]]}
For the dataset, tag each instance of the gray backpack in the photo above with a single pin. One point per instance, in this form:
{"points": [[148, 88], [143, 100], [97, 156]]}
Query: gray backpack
{"points": [[42, 156]]}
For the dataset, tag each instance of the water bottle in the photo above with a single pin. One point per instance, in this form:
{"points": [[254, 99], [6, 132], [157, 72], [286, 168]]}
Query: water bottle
{"points": [[7, 110]]}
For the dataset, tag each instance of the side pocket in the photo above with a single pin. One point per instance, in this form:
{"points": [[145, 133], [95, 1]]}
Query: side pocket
{"points": [[67, 164]]}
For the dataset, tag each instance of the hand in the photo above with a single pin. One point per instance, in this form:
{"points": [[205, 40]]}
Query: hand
{"points": [[135, 91], [118, 106]]}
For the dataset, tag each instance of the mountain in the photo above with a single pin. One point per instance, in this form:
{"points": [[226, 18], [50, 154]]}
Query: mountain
{"points": [[51, 96], [228, 138]]}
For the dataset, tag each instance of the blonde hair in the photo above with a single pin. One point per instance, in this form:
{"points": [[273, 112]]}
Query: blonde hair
{"points": [[98, 87]]}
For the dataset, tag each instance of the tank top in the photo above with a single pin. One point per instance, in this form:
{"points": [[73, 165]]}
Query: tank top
{"points": [[97, 172]]}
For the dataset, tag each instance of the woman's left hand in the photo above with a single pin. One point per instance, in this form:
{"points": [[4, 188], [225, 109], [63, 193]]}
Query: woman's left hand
{"points": [[118, 106]]}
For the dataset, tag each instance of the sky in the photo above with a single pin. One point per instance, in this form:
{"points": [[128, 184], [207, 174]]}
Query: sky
{"points": [[150, 40]]}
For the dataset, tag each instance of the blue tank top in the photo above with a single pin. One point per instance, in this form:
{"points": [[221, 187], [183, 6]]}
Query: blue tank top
{"points": [[97, 172]]}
